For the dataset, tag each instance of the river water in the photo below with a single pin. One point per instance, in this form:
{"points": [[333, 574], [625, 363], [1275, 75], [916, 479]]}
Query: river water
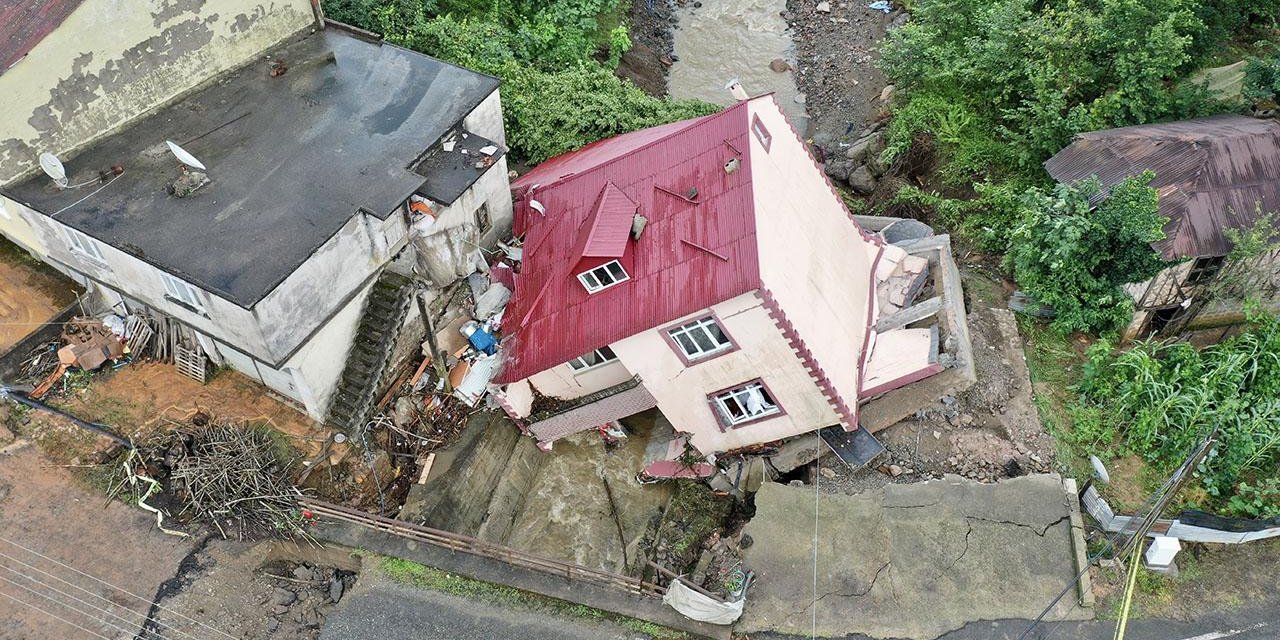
{"points": [[727, 39]]}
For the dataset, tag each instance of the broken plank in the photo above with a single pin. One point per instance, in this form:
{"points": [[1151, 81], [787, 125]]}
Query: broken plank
{"points": [[913, 313]]}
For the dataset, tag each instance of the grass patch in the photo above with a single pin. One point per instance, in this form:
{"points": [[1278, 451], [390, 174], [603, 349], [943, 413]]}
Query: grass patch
{"points": [[424, 577]]}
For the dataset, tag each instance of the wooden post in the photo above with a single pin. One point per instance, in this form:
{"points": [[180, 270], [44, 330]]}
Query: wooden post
{"points": [[437, 356]]}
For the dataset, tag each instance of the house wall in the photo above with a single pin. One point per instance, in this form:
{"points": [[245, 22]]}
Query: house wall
{"points": [[486, 119], [319, 364], [813, 257], [14, 226], [112, 61]]}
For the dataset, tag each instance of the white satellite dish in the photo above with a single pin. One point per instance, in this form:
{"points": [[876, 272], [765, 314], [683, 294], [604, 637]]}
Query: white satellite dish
{"points": [[184, 157], [53, 168]]}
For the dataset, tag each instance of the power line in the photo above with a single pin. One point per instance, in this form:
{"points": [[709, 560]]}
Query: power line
{"points": [[149, 601], [57, 601], [76, 586], [54, 616]]}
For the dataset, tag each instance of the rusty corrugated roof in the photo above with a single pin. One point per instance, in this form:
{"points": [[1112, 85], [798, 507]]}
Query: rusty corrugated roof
{"points": [[692, 254], [1211, 174], [24, 23]]}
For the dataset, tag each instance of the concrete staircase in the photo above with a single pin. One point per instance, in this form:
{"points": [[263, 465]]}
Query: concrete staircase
{"points": [[368, 360]]}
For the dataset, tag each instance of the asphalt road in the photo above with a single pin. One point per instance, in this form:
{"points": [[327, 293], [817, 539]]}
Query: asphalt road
{"points": [[383, 609]]}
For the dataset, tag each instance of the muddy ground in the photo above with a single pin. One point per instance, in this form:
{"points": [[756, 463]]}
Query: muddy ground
{"points": [[30, 293], [646, 64]]}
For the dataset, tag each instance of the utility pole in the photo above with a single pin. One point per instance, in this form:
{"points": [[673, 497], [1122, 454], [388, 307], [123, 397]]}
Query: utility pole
{"points": [[437, 356]]}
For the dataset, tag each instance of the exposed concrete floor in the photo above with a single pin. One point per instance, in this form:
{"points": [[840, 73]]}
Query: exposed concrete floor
{"points": [[568, 513], [910, 561], [30, 294], [46, 510], [728, 39]]}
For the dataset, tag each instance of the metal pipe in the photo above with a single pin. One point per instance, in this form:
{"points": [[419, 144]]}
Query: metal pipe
{"points": [[102, 430]]}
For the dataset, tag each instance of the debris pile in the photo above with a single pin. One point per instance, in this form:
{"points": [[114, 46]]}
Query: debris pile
{"points": [[231, 476], [299, 595]]}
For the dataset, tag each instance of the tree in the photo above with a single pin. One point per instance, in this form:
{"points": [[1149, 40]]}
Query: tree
{"points": [[1076, 257]]}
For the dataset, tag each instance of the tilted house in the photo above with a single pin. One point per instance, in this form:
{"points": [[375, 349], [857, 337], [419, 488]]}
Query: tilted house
{"points": [[707, 268], [285, 254], [1212, 175]]}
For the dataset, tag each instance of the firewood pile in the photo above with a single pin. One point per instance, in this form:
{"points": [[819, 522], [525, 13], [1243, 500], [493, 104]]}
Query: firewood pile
{"points": [[228, 475]]}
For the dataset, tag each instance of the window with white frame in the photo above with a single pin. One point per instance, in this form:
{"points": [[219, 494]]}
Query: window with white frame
{"points": [[83, 245], [701, 338], [603, 276], [182, 292], [595, 358], [742, 404]]}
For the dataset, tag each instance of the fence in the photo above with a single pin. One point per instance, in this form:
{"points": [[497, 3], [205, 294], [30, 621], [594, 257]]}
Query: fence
{"points": [[474, 546], [1181, 528]]}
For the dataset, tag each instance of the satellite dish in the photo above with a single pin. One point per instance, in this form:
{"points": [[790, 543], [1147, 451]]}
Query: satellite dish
{"points": [[184, 157], [1099, 469], [53, 168]]}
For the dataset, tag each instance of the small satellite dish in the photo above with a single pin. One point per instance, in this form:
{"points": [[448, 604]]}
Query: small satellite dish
{"points": [[184, 157], [1099, 469], [53, 168]]}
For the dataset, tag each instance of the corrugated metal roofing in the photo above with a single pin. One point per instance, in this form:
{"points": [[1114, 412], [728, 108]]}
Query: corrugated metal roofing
{"points": [[1211, 174], [24, 24], [605, 234], [556, 319]]}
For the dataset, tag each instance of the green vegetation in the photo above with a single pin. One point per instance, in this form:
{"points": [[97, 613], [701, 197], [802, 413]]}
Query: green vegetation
{"points": [[555, 58], [1262, 81], [1075, 257], [418, 575], [1158, 400]]}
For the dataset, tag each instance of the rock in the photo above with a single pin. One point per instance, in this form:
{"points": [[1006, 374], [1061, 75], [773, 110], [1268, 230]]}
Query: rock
{"points": [[937, 434], [838, 169], [402, 415], [779, 65], [823, 7], [304, 573], [272, 625], [280, 610], [335, 589], [861, 180], [886, 94], [966, 419], [284, 597], [895, 470], [800, 99], [861, 147], [827, 472], [908, 471], [899, 20]]}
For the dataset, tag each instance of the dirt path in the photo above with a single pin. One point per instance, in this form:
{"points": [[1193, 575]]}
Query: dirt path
{"points": [[66, 528]]}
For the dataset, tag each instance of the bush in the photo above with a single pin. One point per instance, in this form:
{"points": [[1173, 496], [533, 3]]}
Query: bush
{"points": [[1262, 80], [1076, 258], [1161, 400], [557, 94]]}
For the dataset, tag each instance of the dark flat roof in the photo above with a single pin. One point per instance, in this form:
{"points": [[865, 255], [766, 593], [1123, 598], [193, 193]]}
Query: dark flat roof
{"points": [[291, 159], [450, 173]]}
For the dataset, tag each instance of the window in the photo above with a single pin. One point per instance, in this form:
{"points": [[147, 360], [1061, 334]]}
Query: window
{"points": [[84, 245], [603, 276], [593, 359], [700, 339], [749, 402], [182, 292], [761, 133], [483, 222], [1205, 269]]}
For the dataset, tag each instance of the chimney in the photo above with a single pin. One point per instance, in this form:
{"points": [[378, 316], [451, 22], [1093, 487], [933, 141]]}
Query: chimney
{"points": [[734, 87]]}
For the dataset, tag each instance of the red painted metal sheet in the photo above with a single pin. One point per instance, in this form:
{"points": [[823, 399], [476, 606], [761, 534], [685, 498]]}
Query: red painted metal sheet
{"points": [[669, 278], [24, 24], [605, 233], [1212, 174]]}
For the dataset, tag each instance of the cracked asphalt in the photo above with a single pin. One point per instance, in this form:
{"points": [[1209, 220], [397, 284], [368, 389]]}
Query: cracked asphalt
{"points": [[909, 560]]}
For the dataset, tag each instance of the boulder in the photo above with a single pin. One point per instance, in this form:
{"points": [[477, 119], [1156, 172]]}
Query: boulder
{"points": [[779, 65], [838, 168], [886, 94], [862, 147], [823, 7], [861, 180]]}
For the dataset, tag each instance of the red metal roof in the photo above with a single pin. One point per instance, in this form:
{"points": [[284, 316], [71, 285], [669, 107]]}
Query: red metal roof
{"points": [[24, 24], [605, 234], [691, 255], [1211, 174]]}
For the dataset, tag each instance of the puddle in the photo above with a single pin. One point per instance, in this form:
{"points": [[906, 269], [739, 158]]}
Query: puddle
{"points": [[727, 39]]}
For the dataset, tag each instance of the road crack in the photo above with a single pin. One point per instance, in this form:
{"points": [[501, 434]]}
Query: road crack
{"points": [[1039, 531]]}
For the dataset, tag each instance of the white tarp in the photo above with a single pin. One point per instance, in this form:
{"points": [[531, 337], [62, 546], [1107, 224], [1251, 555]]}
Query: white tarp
{"points": [[697, 606]]}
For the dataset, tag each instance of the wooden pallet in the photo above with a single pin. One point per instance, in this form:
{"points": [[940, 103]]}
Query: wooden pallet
{"points": [[191, 362]]}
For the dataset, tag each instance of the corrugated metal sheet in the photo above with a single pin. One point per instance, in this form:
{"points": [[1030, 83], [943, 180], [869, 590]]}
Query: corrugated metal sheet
{"points": [[669, 278], [24, 24], [1211, 173], [605, 234]]}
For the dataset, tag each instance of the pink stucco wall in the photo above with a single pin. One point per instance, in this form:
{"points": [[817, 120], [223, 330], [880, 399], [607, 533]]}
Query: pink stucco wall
{"points": [[813, 257]]}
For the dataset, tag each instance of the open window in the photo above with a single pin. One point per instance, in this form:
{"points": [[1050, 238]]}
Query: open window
{"points": [[182, 293], [699, 339], [744, 404], [592, 359], [1205, 269], [603, 276]]}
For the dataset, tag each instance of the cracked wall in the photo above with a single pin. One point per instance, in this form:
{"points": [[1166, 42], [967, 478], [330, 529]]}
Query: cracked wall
{"points": [[112, 61]]}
